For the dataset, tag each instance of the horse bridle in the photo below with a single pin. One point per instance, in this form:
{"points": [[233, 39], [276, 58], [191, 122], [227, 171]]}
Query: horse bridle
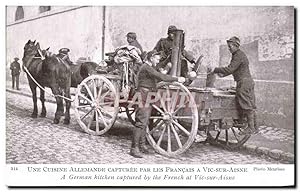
{"points": [[41, 55]]}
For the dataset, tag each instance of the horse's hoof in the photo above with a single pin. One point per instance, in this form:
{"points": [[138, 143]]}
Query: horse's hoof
{"points": [[66, 121], [34, 115], [56, 121]]}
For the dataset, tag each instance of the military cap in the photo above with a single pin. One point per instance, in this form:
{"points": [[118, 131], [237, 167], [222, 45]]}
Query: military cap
{"points": [[16, 58], [64, 50], [172, 28], [131, 35], [234, 40]]}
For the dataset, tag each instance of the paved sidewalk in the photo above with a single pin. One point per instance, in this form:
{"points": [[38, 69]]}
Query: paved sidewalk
{"points": [[277, 143]]}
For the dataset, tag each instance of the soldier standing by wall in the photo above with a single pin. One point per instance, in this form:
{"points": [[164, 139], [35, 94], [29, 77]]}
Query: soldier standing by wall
{"points": [[15, 73], [147, 78], [245, 97]]}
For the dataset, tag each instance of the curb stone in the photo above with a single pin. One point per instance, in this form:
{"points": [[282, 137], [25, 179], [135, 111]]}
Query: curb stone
{"points": [[27, 95], [252, 149], [273, 153], [262, 150], [288, 157]]}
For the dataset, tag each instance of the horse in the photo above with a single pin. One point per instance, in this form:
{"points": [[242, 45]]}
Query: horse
{"points": [[48, 72], [81, 71]]}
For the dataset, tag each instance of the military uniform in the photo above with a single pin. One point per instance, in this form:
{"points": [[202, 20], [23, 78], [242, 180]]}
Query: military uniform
{"points": [[164, 46], [245, 96], [134, 41], [15, 73], [136, 44], [147, 79]]}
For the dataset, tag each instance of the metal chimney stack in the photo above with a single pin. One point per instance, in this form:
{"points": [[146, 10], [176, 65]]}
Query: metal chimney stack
{"points": [[177, 49]]}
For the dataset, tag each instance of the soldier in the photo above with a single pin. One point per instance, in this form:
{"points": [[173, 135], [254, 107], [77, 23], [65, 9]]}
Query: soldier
{"points": [[63, 54], [245, 97], [164, 45], [131, 39], [15, 72], [147, 78]]}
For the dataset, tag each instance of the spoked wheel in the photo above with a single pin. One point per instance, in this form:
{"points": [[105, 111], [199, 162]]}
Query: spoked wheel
{"points": [[228, 138], [165, 132], [96, 104]]}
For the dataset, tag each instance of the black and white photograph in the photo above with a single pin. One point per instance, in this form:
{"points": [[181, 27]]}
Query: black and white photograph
{"points": [[150, 95]]}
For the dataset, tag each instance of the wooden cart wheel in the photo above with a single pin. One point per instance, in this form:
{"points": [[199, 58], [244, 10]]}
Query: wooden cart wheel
{"points": [[228, 138], [165, 132], [96, 104]]}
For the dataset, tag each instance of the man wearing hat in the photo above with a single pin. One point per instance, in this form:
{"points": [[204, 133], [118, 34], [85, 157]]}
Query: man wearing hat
{"points": [[147, 79], [131, 39], [245, 97], [15, 73], [164, 45], [63, 53]]}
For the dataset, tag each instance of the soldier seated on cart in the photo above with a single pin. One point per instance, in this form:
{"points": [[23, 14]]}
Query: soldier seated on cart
{"points": [[63, 53], [132, 40], [133, 46], [125, 53], [164, 45], [147, 78], [245, 97]]}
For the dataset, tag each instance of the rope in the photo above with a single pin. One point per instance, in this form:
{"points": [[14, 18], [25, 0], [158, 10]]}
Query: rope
{"points": [[125, 76], [51, 94], [126, 72], [125, 80]]}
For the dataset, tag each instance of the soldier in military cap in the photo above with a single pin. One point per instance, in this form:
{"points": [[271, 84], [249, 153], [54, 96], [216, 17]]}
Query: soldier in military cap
{"points": [[63, 53], [147, 79], [132, 40], [15, 72], [245, 97], [164, 45]]}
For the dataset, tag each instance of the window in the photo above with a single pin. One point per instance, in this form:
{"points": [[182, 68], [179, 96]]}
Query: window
{"points": [[19, 13], [44, 8]]}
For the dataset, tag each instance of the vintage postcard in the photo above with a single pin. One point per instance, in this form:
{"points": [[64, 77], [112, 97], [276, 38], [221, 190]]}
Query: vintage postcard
{"points": [[145, 96]]}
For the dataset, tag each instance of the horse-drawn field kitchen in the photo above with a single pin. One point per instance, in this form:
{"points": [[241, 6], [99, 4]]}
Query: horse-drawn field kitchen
{"points": [[153, 89]]}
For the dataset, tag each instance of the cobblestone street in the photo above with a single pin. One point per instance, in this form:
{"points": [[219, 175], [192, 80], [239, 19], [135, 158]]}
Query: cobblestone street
{"points": [[38, 141]]}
